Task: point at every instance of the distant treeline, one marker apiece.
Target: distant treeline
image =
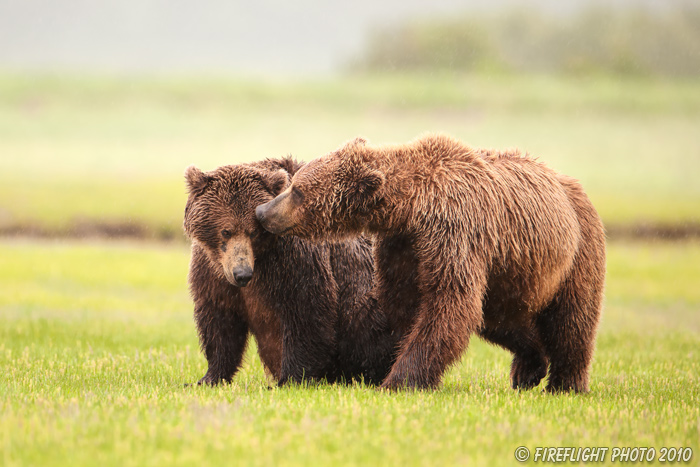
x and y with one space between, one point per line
595 40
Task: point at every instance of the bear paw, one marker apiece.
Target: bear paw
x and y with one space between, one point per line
211 380
527 372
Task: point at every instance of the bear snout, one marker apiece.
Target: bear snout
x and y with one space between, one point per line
261 213
242 275
270 217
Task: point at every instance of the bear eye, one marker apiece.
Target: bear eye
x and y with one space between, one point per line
226 234
297 195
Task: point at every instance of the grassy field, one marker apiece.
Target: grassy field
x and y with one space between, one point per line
97 339
75 151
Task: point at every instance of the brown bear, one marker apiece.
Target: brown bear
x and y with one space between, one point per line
308 305
468 241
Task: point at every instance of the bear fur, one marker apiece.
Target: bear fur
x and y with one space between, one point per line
308 305
467 241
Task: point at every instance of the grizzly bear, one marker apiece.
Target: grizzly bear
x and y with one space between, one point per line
308 305
467 241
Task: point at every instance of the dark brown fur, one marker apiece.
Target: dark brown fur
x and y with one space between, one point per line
468 241
306 304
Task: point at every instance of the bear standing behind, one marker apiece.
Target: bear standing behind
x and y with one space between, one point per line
305 303
468 241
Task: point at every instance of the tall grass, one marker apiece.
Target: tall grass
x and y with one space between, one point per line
628 42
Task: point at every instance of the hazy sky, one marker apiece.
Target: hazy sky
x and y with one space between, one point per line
270 37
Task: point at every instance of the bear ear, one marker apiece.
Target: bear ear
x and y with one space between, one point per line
276 182
354 150
353 144
367 184
197 181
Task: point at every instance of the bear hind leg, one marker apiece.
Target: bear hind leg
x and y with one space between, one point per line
568 327
529 363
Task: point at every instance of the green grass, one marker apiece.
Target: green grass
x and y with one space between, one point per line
114 150
96 341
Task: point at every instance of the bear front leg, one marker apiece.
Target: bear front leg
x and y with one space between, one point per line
449 312
223 336
219 313
309 349
308 317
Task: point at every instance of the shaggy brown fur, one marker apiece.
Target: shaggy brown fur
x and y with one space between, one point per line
468 241
307 304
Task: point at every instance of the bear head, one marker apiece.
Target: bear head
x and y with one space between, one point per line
331 195
220 213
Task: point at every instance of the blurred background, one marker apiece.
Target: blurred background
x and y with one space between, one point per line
104 104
